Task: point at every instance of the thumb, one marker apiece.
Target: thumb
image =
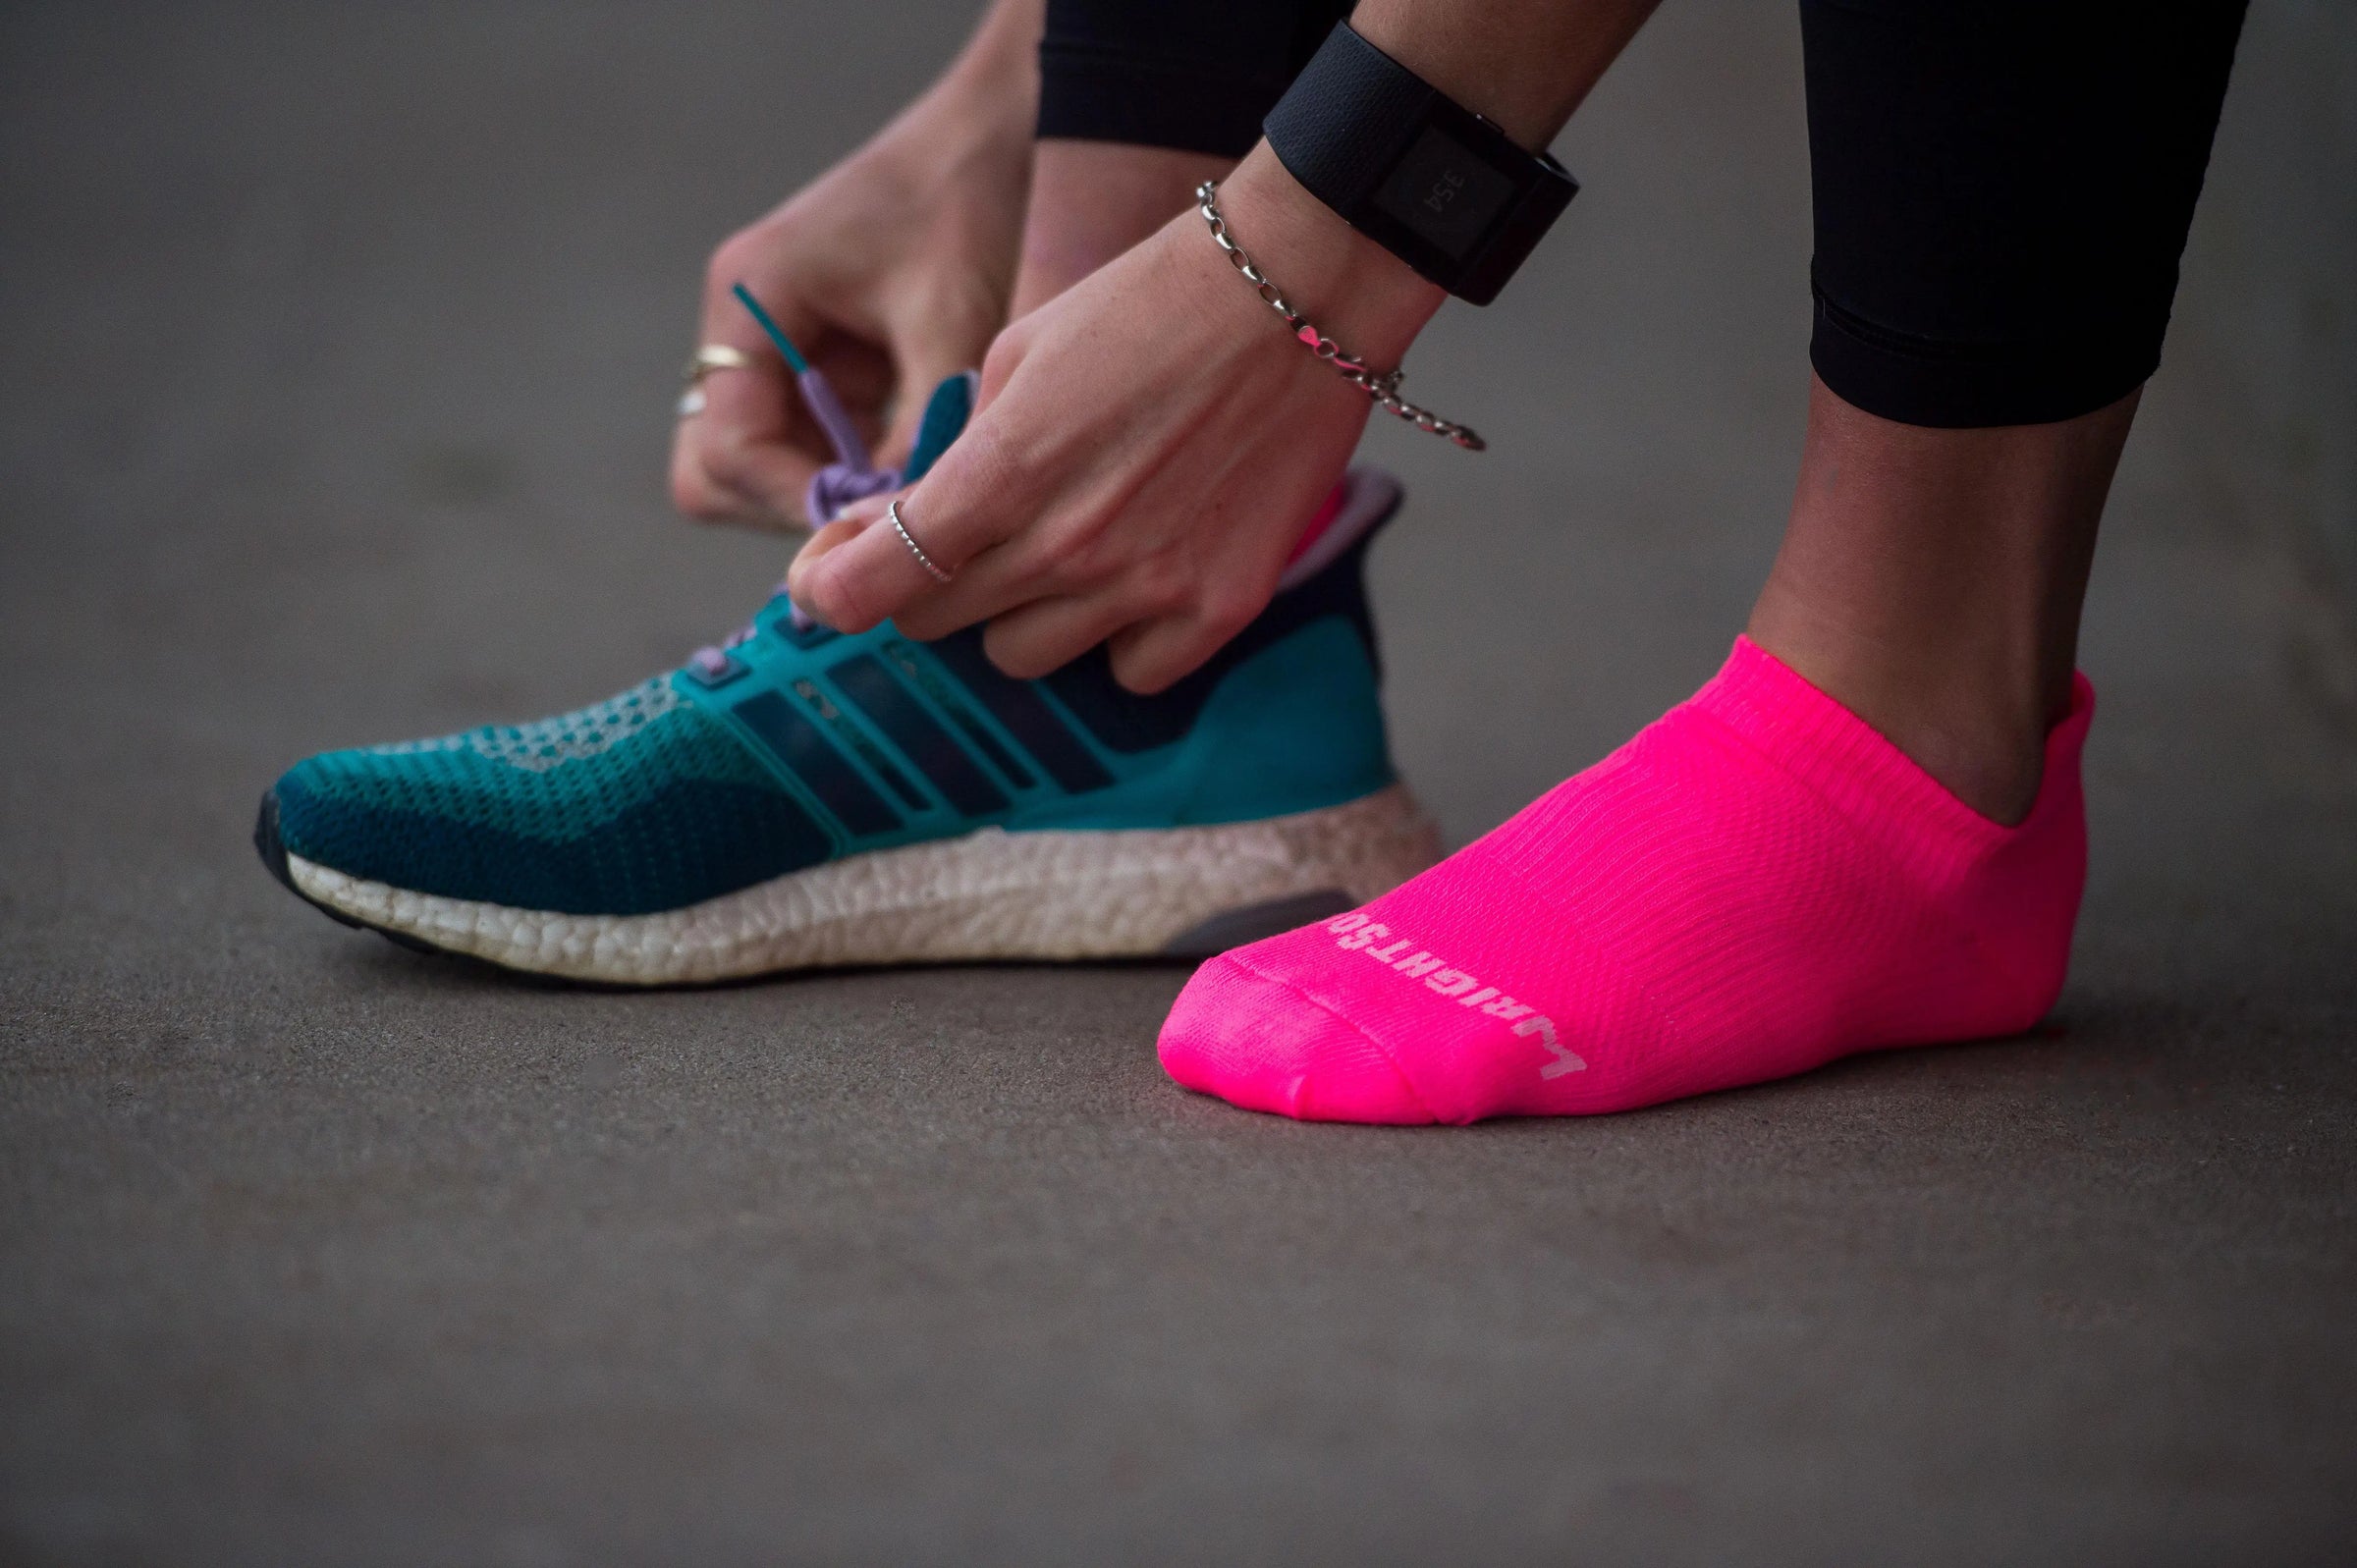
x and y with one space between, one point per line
920 377
927 348
848 524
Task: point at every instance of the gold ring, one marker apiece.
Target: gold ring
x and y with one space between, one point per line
706 359
713 356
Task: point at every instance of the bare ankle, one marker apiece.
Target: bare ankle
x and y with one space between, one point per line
1977 726
1931 580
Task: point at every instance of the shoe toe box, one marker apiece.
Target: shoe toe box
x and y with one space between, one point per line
658 815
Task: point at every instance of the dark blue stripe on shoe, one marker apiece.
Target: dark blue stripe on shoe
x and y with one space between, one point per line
929 682
1025 715
856 740
924 742
798 743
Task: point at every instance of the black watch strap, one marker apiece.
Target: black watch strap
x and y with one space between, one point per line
1410 168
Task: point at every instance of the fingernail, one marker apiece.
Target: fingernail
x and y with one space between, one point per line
800 614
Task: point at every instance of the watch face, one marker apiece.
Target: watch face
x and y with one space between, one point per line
1444 193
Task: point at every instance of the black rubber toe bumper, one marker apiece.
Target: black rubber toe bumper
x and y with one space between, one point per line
273 850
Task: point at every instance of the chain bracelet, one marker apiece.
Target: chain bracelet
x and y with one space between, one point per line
1380 385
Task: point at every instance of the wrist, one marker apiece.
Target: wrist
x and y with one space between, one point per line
969 131
1092 200
999 64
1351 288
982 104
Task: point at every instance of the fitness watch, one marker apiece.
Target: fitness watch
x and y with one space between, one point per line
1418 173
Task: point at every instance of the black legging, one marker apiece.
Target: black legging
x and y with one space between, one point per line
2003 186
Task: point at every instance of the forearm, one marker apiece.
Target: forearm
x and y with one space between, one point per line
986 97
1524 64
1003 55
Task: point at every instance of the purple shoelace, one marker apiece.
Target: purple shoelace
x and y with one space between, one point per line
852 476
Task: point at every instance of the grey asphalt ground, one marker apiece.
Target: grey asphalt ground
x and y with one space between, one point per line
341 345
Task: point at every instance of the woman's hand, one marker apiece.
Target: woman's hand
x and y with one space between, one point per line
890 272
1147 448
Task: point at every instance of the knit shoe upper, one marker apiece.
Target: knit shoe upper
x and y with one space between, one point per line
645 801
793 745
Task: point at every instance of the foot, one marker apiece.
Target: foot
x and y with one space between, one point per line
798 798
1754 885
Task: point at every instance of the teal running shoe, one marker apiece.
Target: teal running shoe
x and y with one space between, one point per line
801 798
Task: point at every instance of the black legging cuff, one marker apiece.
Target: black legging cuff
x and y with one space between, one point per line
1196 75
1961 386
1095 95
2002 189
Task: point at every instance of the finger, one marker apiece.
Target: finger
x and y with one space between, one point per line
749 454
847 525
967 504
923 364
748 257
1047 634
945 331
732 461
872 575
1150 656
998 582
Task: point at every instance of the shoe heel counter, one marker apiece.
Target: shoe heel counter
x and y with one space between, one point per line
1296 727
1286 718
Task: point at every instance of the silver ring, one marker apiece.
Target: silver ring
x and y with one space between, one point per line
925 561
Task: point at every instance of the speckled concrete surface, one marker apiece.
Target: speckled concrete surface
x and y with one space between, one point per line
338 382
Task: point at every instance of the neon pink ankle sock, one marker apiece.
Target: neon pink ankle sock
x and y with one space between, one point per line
1754 885
1327 510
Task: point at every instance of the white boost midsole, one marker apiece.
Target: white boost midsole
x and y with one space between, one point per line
1116 892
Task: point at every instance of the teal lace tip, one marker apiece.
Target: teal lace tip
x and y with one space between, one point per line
776 334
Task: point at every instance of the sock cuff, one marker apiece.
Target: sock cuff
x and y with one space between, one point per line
1864 776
